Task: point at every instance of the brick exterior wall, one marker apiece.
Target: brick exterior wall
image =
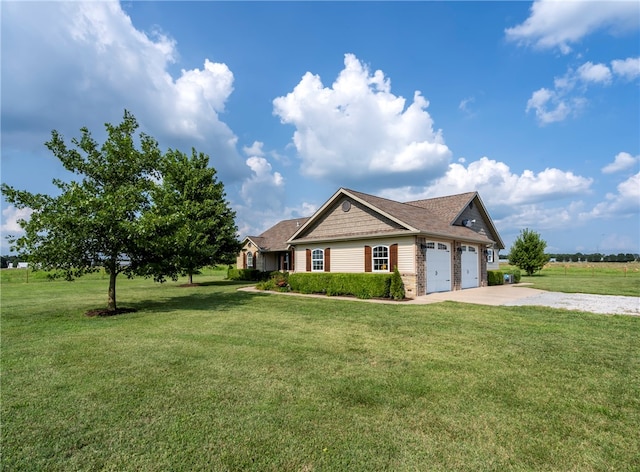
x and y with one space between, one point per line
457 265
483 267
421 272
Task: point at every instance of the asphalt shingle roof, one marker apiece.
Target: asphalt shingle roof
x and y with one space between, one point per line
433 216
276 237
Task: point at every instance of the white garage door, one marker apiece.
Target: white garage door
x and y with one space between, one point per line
438 262
469 264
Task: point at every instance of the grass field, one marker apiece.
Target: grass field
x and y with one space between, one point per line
602 278
209 378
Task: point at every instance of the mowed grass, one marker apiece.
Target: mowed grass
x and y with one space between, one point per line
602 278
209 378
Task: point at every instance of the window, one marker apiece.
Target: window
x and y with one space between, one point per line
490 256
249 259
317 260
381 258
442 247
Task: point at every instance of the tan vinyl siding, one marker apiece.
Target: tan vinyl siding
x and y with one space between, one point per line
240 260
348 256
358 220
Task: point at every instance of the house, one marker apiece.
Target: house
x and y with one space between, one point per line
438 244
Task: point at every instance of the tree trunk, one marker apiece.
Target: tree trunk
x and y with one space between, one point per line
190 278
111 303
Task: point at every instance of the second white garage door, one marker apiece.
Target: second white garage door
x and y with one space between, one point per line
469 267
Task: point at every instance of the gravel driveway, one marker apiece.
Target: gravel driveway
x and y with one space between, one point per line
605 304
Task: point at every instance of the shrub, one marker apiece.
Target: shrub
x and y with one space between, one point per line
397 286
244 274
359 285
277 281
495 277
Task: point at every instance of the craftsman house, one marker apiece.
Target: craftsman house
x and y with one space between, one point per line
438 244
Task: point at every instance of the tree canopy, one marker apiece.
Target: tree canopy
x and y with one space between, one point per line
527 252
102 219
197 225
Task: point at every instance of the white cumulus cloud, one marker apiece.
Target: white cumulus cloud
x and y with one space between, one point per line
567 98
550 106
497 184
559 24
628 68
621 162
10 218
624 203
264 187
358 131
70 59
597 73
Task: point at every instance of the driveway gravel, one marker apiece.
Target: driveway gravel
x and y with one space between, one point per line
605 304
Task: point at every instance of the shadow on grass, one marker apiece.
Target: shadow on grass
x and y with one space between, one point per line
222 283
205 301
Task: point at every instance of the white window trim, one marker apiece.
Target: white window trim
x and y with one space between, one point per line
249 260
373 259
315 259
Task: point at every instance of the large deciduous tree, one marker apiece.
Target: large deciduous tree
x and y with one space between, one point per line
527 252
95 222
190 213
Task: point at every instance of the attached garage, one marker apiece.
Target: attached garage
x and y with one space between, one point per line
438 267
470 267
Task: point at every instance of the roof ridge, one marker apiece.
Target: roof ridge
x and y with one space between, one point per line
442 197
376 197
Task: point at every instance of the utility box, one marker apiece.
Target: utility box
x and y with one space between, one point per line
508 278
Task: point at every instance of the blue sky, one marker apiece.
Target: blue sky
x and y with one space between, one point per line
534 105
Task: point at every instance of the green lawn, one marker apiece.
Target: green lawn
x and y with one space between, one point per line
209 378
600 278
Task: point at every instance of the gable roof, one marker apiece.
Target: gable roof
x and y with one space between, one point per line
449 207
431 217
276 237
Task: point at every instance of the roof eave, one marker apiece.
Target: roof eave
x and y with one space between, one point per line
356 237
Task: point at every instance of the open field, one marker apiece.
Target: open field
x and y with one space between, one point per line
208 378
602 278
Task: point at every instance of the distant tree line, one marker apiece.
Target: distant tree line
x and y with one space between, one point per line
580 257
595 257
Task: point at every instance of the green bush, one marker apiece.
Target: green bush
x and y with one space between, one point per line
277 281
397 286
495 277
244 274
359 285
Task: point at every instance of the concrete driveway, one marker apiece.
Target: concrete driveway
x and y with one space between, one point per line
494 295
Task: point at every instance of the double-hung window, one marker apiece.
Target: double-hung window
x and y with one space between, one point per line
317 260
249 260
381 258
